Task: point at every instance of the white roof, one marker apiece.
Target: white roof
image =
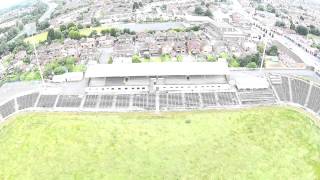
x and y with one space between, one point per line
157 69
251 82
71 76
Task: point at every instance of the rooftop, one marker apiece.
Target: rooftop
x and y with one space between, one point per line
157 69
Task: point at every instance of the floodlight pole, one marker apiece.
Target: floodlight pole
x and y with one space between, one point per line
38 63
263 55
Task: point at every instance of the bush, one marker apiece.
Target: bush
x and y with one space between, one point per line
280 24
211 58
252 65
302 30
110 61
198 11
59 70
179 58
136 59
272 51
165 57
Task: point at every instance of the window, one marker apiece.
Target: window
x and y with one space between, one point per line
188 78
126 79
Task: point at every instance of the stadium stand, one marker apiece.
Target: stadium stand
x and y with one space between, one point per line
106 101
299 90
27 101
47 101
163 100
192 100
314 100
91 101
71 101
122 101
286 88
144 101
227 98
7 109
175 100
281 86
263 96
208 99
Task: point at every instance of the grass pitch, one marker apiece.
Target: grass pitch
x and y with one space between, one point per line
259 143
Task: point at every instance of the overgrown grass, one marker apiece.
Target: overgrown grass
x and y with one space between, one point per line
41 37
259 143
37 38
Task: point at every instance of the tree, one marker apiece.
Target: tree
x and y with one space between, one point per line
58 34
93 33
113 32
198 10
243 62
80 26
43 25
63 27
126 31
270 8
12 32
260 8
51 35
59 70
292 26
135 6
280 24
70 25
208 13
314 30
74 34
252 65
136 59
105 31
302 30
272 51
3 47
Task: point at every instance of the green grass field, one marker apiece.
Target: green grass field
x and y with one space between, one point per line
259 143
41 37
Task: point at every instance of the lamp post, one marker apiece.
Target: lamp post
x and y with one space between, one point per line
38 63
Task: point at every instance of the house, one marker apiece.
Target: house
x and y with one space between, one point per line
125 38
141 36
181 36
105 41
70 43
167 47
194 46
88 43
20 55
191 36
160 36
171 36
180 47
123 49
154 49
206 46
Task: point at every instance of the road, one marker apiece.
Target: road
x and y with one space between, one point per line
308 59
51 7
